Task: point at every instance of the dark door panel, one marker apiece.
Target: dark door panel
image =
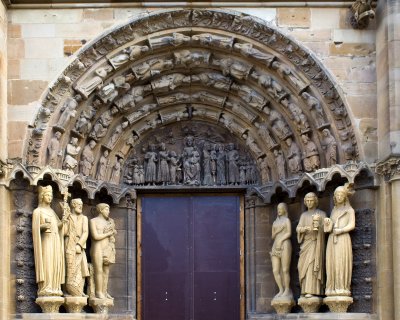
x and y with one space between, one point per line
191 258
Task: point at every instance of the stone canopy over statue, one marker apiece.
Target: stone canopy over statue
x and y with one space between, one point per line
60 257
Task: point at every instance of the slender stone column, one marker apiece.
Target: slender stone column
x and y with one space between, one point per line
395 195
5 245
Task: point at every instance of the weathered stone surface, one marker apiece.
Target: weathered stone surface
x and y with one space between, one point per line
98 14
294 17
25 91
351 49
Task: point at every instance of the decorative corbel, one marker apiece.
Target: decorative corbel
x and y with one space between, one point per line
362 12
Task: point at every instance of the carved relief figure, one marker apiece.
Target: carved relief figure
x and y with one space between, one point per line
68 111
207 175
102 124
208 39
53 149
264 133
339 254
233 169
191 162
297 115
287 73
48 246
141 112
212 79
87 158
330 147
76 234
95 82
281 252
294 156
234 68
189 58
278 124
315 107
264 170
84 125
169 82
252 144
117 133
310 235
151 165
128 54
102 251
252 97
311 157
280 164
152 68
174 165
102 166
273 88
175 40
134 95
71 152
163 167
247 50
221 168
116 171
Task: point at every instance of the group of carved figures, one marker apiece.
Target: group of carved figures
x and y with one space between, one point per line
215 164
59 251
317 262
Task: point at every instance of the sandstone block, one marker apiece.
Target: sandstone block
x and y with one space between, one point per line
351 49
124 14
98 14
17 130
36 69
13 69
353 36
14 31
363 106
306 35
294 17
25 91
319 48
46 16
15 48
85 30
43 48
267 14
325 18
24 113
34 30
71 46
15 149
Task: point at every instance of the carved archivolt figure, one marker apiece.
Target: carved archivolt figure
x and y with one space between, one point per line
71 152
339 254
102 124
247 50
280 164
264 133
68 111
330 146
279 126
169 82
116 171
102 166
116 133
94 83
281 252
297 115
273 87
176 40
310 235
76 233
208 39
252 97
294 156
287 73
87 158
48 246
213 79
151 68
127 54
311 157
102 251
315 108
83 125
190 58
234 68
53 149
264 170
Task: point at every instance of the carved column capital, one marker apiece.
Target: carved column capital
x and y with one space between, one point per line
389 168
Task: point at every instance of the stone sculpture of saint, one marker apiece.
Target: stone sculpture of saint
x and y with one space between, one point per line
281 252
87 158
221 168
330 147
116 171
102 251
339 254
163 167
68 111
76 232
102 166
294 159
173 167
71 152
53 149
207 174
311 157
233 169
150 165
48 246
311 237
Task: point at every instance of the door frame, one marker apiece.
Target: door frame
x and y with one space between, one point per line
139 287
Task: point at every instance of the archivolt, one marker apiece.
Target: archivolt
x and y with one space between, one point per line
222 68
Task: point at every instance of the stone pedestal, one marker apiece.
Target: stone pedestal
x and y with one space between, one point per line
50 304
310 305
101 305
282 305
338 303
75 304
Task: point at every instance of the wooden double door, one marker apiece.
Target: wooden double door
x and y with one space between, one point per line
190 258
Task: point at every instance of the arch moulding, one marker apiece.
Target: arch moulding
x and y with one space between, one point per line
229 82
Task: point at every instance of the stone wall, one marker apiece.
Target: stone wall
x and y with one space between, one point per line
41 41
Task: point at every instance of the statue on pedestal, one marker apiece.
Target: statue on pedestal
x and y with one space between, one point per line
310 235
102 252
48 247
281 254
339 254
